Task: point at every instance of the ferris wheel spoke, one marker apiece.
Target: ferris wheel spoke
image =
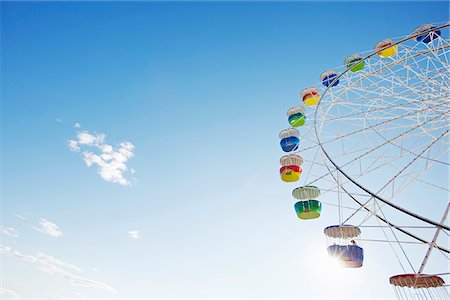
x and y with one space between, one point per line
427 255
406 226
389 241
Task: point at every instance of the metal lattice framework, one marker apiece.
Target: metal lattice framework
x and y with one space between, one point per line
378 143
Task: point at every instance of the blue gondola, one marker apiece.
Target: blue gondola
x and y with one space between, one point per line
329 78
430 33
290 143
350 256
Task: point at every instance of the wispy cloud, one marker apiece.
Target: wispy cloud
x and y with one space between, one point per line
53 261
134 234
51 265
9 231
8 251
111 161
77 125
49 228
8 293
22 217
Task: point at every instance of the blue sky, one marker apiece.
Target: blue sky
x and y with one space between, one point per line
200 89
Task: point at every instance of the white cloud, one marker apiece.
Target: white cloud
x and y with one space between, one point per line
44 258
9 231
8 293
91 283
5 250
58 120
134 234
21 216
73 145
77 125
85 138
53 266
111 161
49 228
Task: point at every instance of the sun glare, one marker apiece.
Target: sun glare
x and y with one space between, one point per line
327 267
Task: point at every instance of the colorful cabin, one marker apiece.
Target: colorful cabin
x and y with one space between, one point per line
289 139
343 246
329 78
310 96
349 256
386 48
291 167
296 116
309 209
354 62
306 192
290 173
426 33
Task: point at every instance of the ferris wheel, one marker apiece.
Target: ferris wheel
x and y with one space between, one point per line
372 140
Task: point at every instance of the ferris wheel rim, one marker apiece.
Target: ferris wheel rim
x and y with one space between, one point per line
339 169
